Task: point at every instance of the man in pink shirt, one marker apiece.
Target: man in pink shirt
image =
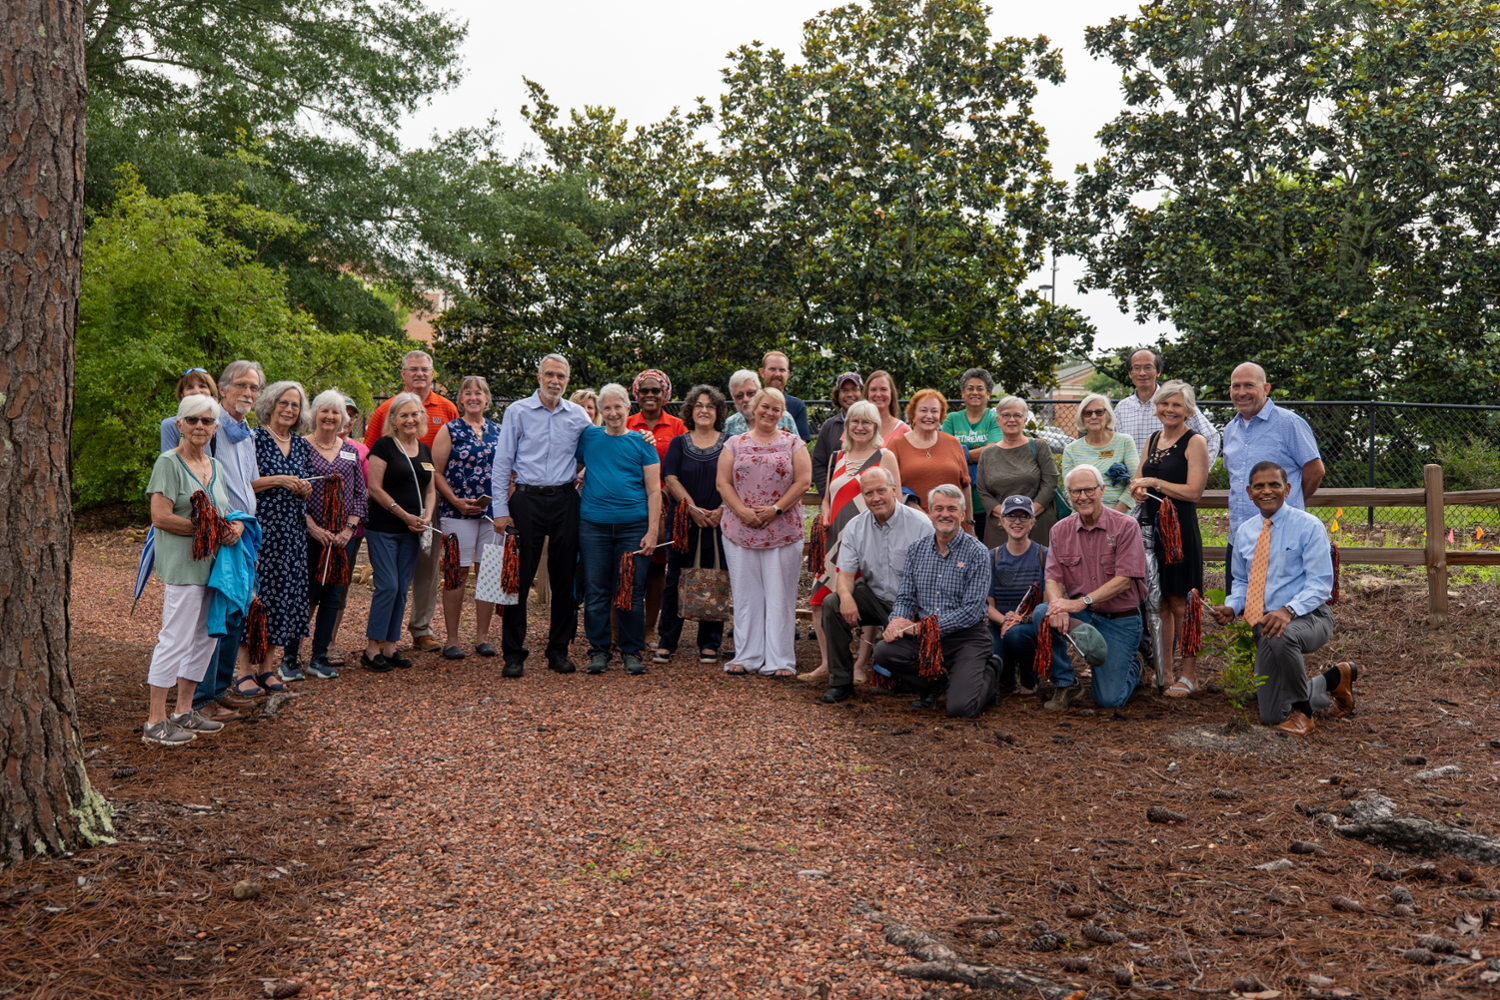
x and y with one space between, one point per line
1096 574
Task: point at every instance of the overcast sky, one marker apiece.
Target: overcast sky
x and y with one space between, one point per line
645 57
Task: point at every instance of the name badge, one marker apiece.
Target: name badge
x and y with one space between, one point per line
348 456
427 466
1107 454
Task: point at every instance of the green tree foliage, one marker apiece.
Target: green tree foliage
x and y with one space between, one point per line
877 204
1323 176
173 283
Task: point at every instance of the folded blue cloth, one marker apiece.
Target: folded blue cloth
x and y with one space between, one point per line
231 583
1118 475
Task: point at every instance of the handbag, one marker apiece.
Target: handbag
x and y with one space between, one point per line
1059 495
703 593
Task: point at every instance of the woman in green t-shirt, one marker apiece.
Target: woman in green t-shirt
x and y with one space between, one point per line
1103 447
975 427
184 647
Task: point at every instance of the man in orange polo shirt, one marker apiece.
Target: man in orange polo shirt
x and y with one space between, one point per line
653 390
416 376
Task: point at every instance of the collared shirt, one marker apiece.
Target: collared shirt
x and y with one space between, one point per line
878 551
667 427
953 587
798 411
1084 559
439 409
1138 419
537 444
1300 573
1272 435
736 424
235 451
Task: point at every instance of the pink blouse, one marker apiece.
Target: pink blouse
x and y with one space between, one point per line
762 474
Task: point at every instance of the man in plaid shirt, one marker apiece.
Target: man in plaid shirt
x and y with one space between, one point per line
1135 415
947 575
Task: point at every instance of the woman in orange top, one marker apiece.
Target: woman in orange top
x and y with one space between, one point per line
927 456
652 390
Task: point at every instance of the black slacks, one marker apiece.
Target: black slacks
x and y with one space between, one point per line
540 519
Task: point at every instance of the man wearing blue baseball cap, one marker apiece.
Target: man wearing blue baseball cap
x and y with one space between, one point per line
848 389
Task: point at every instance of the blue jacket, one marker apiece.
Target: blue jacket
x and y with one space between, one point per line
231 583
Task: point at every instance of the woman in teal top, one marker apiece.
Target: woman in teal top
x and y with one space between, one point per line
1103 447
975 427
184 647
618 513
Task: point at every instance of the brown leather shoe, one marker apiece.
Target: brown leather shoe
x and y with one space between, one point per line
233 701
1343 692
426 644
218 713
1297 724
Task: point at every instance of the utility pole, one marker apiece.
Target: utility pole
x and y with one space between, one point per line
1052 288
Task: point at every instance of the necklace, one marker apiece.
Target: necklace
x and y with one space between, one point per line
283 440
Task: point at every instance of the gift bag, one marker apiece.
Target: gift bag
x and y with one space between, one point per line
487 584
703 593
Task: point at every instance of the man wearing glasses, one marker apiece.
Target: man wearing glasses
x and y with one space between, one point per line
1135 415
416 377
1096 574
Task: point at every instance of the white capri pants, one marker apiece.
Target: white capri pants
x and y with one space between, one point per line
474 533
764 585
183 646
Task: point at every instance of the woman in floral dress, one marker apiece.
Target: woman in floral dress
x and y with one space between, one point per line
282 457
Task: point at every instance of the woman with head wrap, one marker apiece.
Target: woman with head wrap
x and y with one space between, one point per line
653 390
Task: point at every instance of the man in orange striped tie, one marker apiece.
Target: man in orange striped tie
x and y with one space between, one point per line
1282 576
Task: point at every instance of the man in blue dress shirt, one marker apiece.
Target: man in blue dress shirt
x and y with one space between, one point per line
1282 576
538 436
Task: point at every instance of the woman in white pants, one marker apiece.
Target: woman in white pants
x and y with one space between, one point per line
184 647
762 476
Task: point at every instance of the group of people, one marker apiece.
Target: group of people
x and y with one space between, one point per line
933 530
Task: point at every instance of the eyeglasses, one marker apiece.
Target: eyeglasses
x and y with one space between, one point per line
709 407
1142 369
189 371
1093 413
199 421
418 371
1019 515
1087 492
243 386
288 404
647 390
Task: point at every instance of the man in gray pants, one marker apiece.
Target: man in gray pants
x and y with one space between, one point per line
1281 578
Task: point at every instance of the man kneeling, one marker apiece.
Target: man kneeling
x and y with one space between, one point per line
1283 560
947 575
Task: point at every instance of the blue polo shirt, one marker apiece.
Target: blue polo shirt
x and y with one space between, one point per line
1272 435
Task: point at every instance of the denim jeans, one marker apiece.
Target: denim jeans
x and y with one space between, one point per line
1116 677
393 557
1017 652
600 547
710 634
327 599
220 673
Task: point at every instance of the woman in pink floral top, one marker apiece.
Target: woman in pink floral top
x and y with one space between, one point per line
762 476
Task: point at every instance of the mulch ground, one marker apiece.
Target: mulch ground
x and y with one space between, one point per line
440 832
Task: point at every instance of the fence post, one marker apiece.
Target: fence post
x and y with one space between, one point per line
1370 511
1437 553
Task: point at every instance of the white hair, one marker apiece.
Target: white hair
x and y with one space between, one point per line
197 405
399 402
331 399
1010 403
554 357
890 477
1098 476
234 368
1177 387
946 490
265 405
415 354
866 410
614 389
1109 410
741 377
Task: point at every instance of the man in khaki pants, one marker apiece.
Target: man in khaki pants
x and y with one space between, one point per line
416 376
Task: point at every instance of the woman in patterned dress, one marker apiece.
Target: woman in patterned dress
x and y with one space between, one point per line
281 491
762 476
462 454
843 501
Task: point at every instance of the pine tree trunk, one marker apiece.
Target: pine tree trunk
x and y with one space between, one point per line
46 802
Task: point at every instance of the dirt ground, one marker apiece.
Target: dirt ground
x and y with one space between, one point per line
438 832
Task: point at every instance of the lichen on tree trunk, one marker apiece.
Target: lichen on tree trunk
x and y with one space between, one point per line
46 801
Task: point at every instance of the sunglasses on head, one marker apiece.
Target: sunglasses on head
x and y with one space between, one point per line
189 371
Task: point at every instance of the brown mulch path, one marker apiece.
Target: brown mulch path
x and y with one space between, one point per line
441 833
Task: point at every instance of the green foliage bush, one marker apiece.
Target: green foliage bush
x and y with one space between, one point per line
1470 465
166 288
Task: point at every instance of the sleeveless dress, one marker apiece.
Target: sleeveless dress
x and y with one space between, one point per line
846 502
469 463
281 570
1171 466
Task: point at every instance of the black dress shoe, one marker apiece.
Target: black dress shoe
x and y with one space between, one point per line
561 665
927 701
376 664
838 693
399 661
512 668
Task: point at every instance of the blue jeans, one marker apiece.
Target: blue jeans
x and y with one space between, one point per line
710 634
220 673
600 547
1017 652
1116 677
393 557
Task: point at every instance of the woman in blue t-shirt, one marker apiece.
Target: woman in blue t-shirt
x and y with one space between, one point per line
619 512
1015 567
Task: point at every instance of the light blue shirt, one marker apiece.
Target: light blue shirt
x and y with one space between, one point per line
1272 435
1300 573
736 424
235 450
538 445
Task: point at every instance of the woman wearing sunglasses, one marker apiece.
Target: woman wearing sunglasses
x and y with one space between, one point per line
1104 448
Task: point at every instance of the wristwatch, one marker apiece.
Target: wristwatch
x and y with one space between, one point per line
1087 600
778 510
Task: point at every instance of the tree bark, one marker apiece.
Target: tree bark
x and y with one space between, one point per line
46 801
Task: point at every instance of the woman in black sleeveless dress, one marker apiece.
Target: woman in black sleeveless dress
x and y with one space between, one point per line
1175 465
